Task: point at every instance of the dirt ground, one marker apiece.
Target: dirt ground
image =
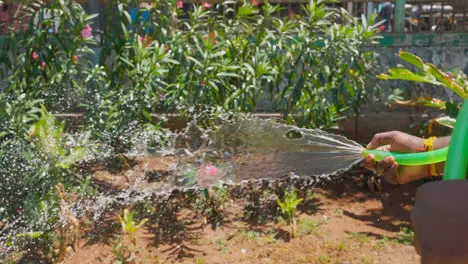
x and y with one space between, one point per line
342 222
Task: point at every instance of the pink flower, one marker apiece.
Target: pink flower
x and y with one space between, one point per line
208 174
382 28
75 59
205 4
35 56
180 4
254 2
43 65
87 32
141 38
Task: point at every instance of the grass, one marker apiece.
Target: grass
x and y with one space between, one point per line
367 260
405 237
339 247
220 243
363 238
271 236
250 235
323 260
308 226
339 212
380 244
199 261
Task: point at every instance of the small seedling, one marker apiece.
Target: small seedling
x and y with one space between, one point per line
339 212
367 260
121 250
406 236
211 204
361 237
199 261
288 209
323 260
342 246
220 243
129 228
250 235
308 226
381 243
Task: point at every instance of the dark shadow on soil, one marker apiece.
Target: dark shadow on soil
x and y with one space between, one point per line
396 200
283 235
32 257
310 206
177 229
366 234
105 233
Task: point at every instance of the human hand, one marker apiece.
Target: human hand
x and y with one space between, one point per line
395 141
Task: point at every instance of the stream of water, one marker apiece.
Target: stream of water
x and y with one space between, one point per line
239 150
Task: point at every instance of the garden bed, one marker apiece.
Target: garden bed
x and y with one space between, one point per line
339 222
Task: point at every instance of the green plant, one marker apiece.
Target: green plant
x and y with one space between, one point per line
48 156
220 243
381 243
308 226
405 237
129 227
250 235
121 249
367 260
45 61
323 260
361 237
199 261
288 209
50 139
339 212
429 73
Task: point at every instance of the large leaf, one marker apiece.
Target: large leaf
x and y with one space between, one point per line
447 81
407 75
445 121
423 101
413 59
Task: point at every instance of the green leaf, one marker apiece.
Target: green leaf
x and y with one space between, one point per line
407 75
452 109
246 10
197 62
227 74
413 59
447 81
91 17
445 121
424 101
250 69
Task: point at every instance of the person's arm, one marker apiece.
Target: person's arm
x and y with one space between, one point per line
404 143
